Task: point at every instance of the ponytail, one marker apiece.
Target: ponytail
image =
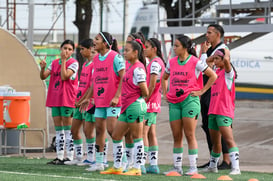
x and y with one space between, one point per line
192 50
115 45
155 43
187 43
110 41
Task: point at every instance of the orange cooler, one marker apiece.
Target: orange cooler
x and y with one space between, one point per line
1 111
17 110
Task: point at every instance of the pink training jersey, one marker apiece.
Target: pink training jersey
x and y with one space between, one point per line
182 79
154 103
222 101
61 93
105 80
85 81
130 92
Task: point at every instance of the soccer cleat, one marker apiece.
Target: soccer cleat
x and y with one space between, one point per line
224 166
143 169
126 167
153 169
204 165
56 161
66 159
210 169
95 167
174 169
235 171
112 170
86 162
129 166
192 171
72 162
133 172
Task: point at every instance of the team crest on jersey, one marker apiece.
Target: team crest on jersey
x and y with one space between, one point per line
100 91
79 94
179 92
154 68
57 84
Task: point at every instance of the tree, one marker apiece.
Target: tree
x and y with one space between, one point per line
173 9
83 23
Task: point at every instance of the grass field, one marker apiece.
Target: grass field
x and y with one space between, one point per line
20 168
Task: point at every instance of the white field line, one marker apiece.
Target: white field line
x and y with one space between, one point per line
53 176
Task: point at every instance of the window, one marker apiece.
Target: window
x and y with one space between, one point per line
145 31
133 30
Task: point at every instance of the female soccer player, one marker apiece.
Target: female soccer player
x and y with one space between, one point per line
85 118
62 89
155 70
129 142
134 90
109 68
221 112
185 72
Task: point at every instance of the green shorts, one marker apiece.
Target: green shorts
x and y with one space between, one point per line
215 121
189 108
150 118
62 111
83 116
135 111
78 115
89 117
105 112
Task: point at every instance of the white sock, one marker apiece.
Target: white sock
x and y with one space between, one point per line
69 144
153 157
118 152
78 151
60 144
177 159
90 147
213 161
129 155
144 158
234 158
193 160
138 153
